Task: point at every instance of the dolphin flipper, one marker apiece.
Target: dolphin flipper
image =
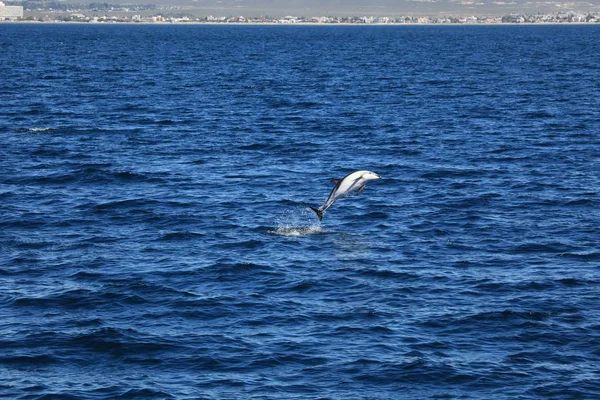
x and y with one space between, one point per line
360 189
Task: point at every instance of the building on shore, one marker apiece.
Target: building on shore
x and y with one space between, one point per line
10 12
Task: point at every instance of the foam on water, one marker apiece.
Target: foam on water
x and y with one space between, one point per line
298 230
297 222
35 130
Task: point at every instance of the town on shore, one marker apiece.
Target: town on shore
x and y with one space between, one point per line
113 13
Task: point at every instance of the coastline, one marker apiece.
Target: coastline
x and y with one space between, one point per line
209 23
147 14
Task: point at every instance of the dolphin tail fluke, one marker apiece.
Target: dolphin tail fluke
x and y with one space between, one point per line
319 212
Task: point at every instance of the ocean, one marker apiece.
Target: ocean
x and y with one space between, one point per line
156 240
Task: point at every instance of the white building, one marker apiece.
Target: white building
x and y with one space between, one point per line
288 20
10 12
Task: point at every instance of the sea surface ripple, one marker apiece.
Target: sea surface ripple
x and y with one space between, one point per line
155 240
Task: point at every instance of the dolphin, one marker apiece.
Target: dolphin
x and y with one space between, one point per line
352 182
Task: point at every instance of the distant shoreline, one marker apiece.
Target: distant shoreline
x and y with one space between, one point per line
297 24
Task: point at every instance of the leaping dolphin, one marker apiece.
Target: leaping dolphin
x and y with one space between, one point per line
354 181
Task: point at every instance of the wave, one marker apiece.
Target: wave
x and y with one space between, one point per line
452 173
186 235
83 175
532 247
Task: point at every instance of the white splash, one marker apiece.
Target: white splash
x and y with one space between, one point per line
35 130
297 222
298 230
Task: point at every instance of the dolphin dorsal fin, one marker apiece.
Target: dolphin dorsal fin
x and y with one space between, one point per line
335 181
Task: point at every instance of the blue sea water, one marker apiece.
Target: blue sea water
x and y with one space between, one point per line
155 240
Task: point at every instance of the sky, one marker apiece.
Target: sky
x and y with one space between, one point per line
309 8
